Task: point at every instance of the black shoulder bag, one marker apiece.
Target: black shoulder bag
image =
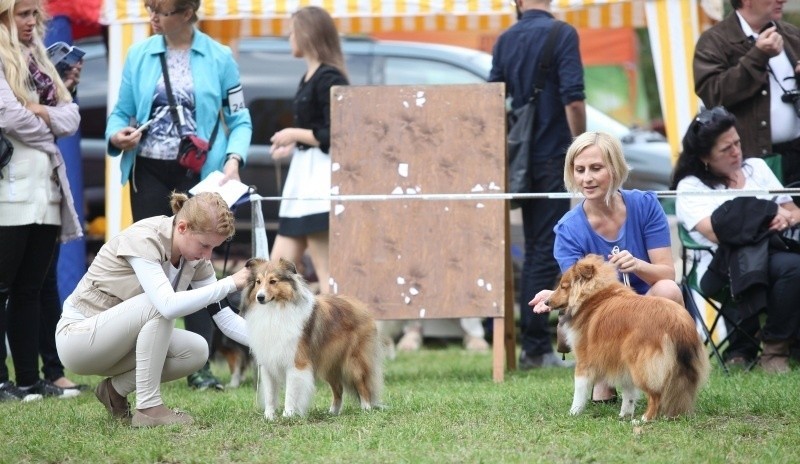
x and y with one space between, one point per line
522 119
6 150
192 150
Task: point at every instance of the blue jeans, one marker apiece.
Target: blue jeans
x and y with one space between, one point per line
540 269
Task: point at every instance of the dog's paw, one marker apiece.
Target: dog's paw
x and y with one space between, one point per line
626 416
575 410
269 415
627 409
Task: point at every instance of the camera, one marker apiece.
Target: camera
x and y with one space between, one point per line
793 98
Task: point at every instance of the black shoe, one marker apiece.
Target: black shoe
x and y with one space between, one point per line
47 389
10 392
204 379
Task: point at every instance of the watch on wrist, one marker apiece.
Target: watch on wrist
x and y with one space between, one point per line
235 157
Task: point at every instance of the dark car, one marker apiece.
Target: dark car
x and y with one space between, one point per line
270 76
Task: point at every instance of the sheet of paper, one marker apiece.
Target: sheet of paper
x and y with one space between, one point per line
230 191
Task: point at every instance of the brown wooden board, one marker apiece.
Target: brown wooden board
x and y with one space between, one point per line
412 258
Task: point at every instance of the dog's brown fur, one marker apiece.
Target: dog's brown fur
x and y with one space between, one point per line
631 341
236 355
334 337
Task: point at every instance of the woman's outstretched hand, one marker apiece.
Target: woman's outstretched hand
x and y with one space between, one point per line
539 302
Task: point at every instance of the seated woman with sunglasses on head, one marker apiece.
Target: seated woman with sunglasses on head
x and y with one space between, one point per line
712 160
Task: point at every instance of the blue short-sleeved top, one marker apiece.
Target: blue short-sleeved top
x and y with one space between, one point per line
645 228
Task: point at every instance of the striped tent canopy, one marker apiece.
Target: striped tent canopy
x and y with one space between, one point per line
673 27
271 17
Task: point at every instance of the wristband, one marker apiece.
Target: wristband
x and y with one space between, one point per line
236 157
214 308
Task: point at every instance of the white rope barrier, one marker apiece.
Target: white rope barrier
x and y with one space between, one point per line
521 196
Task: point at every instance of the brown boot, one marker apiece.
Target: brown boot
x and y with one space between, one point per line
116 404
775 357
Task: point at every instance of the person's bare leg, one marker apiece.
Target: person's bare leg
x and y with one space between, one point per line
291 248
318 251
667 289
603 392
64 382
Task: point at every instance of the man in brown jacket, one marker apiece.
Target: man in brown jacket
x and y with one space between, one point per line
749 63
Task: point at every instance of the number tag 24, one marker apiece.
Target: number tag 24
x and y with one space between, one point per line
235 99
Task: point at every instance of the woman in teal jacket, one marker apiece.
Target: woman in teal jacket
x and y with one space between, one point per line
194 59
205 84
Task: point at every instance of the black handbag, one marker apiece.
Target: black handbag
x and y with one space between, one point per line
6 150
522 119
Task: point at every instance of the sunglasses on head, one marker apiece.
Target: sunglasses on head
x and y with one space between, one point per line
706 116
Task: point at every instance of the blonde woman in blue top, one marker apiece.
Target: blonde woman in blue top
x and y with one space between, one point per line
627 227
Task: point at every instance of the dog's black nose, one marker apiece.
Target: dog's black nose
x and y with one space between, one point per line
547 302
261 298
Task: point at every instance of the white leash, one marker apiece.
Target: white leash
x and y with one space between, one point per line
625 277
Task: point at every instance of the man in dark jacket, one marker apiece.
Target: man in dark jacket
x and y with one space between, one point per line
560 115
748 63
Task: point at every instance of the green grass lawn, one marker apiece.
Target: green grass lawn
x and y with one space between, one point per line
441 406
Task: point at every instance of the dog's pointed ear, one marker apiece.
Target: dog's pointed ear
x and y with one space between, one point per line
253 262
287 265
586 270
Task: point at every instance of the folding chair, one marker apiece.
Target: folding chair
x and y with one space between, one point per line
720 303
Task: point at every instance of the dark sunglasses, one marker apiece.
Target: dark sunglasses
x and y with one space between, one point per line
706 116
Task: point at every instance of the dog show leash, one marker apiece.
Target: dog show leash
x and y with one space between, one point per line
625 277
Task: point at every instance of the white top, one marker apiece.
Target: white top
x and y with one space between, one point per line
158 285
232 325
691 209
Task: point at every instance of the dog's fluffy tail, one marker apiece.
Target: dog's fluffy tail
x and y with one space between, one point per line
690 373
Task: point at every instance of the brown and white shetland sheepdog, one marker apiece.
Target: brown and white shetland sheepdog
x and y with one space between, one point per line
297 337
637 343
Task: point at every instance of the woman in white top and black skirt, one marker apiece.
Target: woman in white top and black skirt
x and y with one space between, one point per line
304 224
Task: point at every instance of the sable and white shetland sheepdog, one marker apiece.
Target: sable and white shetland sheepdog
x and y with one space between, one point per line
297 337
637 343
